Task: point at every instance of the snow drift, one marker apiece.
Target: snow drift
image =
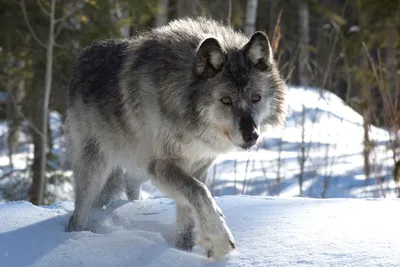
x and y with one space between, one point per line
268 232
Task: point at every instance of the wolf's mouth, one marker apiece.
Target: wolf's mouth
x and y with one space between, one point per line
229 136
248 145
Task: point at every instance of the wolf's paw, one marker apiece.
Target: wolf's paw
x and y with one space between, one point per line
73 226
185 241
218 240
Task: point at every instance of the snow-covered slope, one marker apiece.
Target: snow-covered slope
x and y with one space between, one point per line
332 136
268 232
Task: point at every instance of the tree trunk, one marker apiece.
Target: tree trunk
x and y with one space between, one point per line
14 104
162 13
41 121
304 34
35 106
302 157
272 18
185 8
49 73
366 104
251 17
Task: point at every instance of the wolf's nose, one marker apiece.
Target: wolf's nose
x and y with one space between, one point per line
252 137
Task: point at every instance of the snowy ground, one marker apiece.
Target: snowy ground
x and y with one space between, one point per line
268 232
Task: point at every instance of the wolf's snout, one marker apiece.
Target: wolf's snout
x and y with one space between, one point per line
249 130
251 138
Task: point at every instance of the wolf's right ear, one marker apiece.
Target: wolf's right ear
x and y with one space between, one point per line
209 58
258 51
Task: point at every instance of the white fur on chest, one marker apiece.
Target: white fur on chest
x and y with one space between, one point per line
198 150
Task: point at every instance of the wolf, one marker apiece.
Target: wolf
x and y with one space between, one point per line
162 106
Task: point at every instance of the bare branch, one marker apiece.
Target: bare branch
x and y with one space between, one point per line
332 54
58 30
60 46
277 33
66 15
8 174
229 18
14 102
42 7
31 30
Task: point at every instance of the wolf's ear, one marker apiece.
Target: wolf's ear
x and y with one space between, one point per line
258 51
209 58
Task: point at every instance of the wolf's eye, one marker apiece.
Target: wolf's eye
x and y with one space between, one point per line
226 100
255 98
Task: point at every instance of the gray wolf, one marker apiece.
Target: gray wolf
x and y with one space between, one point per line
162 106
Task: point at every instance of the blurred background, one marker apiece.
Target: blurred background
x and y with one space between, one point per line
338 57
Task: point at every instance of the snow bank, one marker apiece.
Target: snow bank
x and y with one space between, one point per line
268 232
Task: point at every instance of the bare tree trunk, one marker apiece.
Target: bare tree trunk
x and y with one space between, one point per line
367 141
48 78
272 18
366 106
302 157
251 17
123 11
279 166
304 34
186 8
162 13
229 17
35 106
14 104
391 62
39 181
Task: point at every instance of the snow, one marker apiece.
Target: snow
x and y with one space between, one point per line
282 230
268 231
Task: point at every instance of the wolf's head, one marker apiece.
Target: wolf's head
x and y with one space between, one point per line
242 91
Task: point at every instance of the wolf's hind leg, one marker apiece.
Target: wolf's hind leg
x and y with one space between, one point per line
184 226
132 186
90 174
113 187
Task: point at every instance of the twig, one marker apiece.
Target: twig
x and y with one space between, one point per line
71 11
8 174
42 8
14 102
31 30
277 33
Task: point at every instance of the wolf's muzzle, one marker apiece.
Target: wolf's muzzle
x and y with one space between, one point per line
249 131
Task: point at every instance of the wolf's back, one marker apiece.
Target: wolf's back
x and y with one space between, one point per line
162 52
95 73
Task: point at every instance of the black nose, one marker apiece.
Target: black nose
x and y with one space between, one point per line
251 138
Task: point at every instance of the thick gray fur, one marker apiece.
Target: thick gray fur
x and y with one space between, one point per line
162 106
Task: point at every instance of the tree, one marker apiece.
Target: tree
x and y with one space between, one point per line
251 16
162 13
185 8
304 38
43 97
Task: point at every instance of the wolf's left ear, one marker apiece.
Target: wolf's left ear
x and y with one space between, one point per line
258 51
209 58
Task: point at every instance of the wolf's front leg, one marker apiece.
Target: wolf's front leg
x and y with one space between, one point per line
213 234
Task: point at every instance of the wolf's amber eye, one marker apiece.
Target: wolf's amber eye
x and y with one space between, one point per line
227 100
255 98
